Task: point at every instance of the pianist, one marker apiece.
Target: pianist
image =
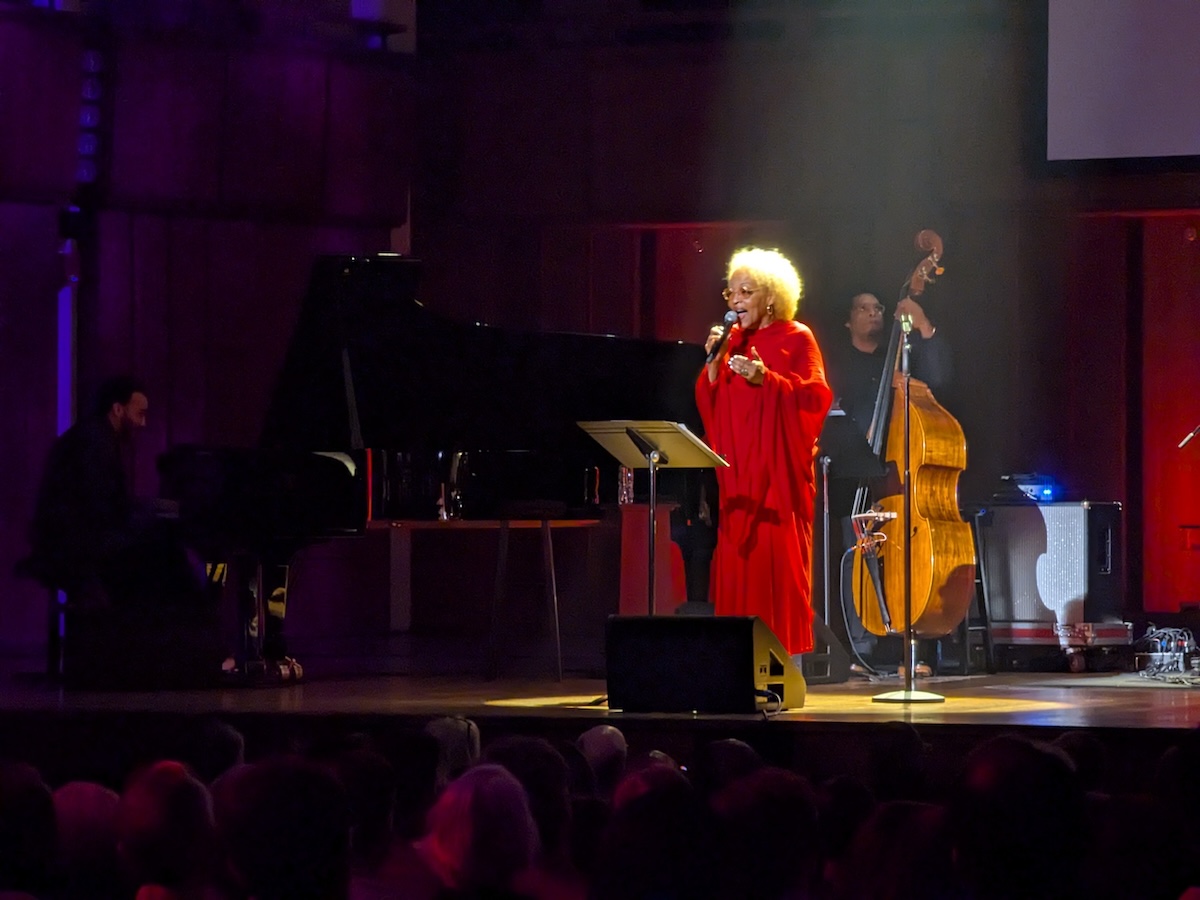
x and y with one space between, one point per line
89 537
763 398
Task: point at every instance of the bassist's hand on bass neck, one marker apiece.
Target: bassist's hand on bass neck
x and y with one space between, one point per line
920 321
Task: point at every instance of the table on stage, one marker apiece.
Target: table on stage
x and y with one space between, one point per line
400 534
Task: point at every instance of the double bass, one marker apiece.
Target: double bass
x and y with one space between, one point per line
942 577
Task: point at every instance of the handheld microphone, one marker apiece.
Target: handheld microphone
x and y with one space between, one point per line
730 318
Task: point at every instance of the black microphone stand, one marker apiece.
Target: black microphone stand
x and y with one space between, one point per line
909 694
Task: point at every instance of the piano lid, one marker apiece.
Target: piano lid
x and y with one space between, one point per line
369 365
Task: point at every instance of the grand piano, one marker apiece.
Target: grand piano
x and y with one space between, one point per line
383 404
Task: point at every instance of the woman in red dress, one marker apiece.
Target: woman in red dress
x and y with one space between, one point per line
763 400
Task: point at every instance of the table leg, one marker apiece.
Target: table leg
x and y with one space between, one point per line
493 665
552 593
400 580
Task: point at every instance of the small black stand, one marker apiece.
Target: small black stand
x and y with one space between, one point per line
652 445
842 452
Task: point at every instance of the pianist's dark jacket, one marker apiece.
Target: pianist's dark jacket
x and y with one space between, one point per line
84 511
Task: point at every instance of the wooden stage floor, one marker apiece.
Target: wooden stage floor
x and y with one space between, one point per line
1019 700
831 734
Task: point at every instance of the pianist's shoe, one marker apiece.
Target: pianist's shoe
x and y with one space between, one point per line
286 669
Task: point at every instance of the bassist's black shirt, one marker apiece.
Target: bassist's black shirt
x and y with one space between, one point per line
854 375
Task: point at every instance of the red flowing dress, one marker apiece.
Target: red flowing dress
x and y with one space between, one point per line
768 435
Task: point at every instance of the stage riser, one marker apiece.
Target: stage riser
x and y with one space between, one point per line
106 746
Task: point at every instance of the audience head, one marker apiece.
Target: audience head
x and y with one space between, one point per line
768 808
654 776
1177 773
1089 755
458 741
605 749
543 773
722 762
843 802
582 779
27 829
1017 820
370 783
897 759
286 828
901 850
481 833
87 839
165 829
218 748
660 841
1134 849
416 759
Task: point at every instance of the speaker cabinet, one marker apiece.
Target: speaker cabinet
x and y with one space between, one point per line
705 664
1054 562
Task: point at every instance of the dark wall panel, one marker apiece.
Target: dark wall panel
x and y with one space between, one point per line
229 171
614 261
274 136
652 120
1091 414
32 276
167 123
372 138
108 305
39 110
190 327
202 311
151 335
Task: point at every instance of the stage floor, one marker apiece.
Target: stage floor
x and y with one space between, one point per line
1059 701
70 734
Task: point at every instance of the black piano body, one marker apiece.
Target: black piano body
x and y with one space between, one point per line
382 404
267 502
378 394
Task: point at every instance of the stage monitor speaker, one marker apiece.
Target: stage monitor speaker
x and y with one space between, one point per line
704 664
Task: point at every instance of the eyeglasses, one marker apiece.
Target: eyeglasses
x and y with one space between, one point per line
743 292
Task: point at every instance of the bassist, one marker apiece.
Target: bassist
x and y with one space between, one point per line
854 369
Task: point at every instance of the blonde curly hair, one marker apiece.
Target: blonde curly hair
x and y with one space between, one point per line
774 271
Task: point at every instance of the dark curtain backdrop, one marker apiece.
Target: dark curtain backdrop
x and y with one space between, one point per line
222 172
598 186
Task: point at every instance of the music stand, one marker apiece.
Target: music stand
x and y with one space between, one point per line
850 455
652 445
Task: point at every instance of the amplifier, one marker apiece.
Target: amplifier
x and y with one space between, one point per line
1053 562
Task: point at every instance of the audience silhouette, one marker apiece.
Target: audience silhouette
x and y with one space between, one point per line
441 810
